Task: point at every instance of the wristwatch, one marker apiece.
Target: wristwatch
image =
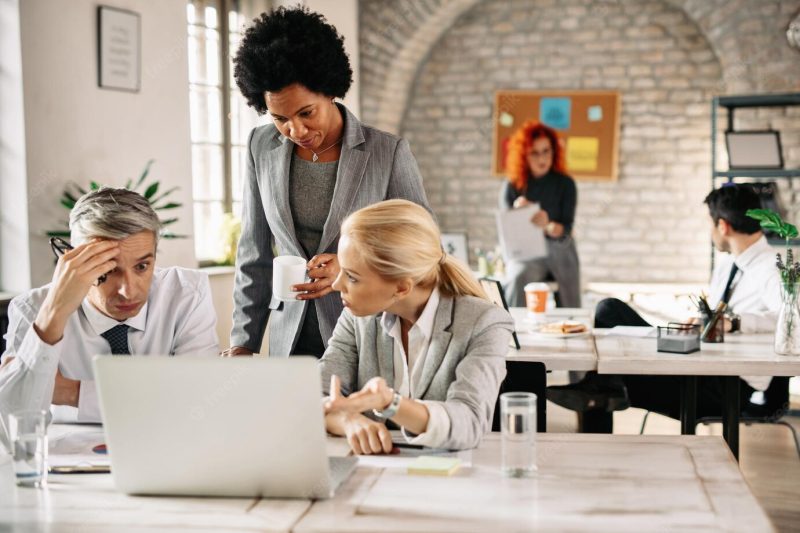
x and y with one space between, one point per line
391 410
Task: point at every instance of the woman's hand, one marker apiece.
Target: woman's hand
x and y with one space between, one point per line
521 201
323 269
540 219
376 394
366 436
233 351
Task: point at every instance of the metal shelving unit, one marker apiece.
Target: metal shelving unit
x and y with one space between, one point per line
730 104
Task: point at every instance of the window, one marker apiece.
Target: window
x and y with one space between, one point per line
220 118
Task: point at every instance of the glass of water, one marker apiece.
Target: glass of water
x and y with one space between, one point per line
518 425
28 434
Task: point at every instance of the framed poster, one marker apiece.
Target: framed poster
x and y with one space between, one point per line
118 49
455 244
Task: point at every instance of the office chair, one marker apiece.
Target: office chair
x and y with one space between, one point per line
773 411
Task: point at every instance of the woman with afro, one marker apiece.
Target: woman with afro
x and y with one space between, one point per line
537 174
309 169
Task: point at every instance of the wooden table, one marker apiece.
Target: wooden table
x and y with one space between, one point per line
585 482
740 355
526 368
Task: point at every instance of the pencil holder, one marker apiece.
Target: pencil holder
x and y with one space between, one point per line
716 332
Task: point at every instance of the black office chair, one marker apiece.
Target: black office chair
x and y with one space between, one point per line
773 411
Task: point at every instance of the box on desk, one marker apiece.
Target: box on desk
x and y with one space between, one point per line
678 338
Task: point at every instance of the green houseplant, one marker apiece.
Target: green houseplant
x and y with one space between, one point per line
787 330
158 199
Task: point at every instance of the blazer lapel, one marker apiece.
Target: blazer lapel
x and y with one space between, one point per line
440 340
349 174
279 161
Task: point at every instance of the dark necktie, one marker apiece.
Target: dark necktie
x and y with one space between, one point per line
117 338
726 296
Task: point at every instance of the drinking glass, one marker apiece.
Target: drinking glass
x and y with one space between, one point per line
518 425
28 435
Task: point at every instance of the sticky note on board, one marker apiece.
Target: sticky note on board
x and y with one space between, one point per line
582 153
506 119
428 465
555 112
595 113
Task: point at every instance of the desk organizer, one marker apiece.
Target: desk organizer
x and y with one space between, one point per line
678 338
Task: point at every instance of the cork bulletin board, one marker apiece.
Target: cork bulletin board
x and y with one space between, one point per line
586 121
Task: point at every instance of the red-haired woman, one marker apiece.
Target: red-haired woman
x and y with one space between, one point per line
537 174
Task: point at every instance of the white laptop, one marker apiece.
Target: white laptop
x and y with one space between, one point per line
210 426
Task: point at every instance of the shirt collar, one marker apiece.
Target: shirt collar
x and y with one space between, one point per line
746 258
101 323
424 323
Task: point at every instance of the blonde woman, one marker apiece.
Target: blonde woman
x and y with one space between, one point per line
418 343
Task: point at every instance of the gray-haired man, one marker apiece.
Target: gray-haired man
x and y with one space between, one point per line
106 296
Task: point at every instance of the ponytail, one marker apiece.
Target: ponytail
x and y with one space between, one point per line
455 279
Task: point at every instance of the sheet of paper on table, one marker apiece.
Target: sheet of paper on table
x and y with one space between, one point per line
406 458
75 449
632 331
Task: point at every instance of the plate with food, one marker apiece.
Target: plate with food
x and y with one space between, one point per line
562 329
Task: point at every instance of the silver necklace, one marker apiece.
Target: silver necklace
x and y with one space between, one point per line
317 154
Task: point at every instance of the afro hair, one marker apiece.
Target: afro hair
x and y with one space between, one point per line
288 46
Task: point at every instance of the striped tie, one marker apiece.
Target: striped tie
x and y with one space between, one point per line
117 338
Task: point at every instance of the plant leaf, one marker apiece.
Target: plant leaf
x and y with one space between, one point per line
69 204
170 205
60 233
80 189
168 221
163 195
790 230
151 190
145 172
68 196
93 185
128 183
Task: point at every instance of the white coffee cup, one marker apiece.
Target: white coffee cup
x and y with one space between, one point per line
287 271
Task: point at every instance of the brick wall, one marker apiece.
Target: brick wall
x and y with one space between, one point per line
667 58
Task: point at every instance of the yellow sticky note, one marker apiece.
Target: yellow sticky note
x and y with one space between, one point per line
582 153
427 465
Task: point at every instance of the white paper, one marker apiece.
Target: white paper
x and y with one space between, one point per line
632 331
519 238
75 448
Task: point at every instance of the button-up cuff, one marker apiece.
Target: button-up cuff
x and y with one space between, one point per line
438 427
38 356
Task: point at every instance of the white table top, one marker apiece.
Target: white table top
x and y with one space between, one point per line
556 354
739 355
585 482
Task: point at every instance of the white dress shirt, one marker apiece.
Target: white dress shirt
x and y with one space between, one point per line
178 318
756 295
408 368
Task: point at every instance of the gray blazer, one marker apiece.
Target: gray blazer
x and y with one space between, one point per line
373 166
464 367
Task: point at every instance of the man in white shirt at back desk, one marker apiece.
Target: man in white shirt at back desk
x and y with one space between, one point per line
745 277
106 297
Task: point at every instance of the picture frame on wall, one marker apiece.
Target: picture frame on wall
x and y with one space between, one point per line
118 49
455 244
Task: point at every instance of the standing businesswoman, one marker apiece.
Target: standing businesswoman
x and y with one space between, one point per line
419 343
537 174
305 173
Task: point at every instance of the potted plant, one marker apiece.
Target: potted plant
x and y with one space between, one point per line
787 330
159 202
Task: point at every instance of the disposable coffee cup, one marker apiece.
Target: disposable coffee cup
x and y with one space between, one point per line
536 297
287 271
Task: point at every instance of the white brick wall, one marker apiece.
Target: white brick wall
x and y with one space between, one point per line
667 57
